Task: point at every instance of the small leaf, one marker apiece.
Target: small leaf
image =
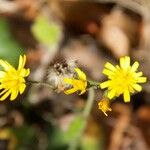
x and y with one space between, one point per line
46 32
75 129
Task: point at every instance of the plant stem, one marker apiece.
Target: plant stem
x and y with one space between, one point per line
40 82
94 84
86 112
89 103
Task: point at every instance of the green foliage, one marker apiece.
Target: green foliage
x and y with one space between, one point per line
59 139
75 129
46 32
55 139
9 48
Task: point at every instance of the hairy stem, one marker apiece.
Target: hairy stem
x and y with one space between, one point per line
94 84
89 103
40 82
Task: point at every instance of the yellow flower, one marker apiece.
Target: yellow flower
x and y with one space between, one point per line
79 84
122 79
104 105
12 81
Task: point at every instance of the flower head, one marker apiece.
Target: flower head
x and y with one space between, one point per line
58 71
122 79
104 105
12 81
78 84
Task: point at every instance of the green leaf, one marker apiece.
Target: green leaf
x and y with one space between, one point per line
9 48
55 138
75 129
46 32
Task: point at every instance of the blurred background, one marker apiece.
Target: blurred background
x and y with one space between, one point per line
90 32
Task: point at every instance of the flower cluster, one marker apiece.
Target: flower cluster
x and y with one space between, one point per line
123 79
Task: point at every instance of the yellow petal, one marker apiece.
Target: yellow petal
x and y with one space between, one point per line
104 106
122 62
2 74
5 95
4 91
24 72
6 66
68 80
70 91
14 94
141 80
80 74
134 66
1 87
127 61
22 88
131 89
110 66
139 74
22 61
27 72
111 94
108 72
126 96
137 87
104 84
118 68
82 92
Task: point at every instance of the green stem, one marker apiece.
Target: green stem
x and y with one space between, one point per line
40 82
93 84
86 112
89 103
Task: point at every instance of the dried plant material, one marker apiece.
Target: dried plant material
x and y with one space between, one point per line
76 15
118 32
18 118
144 113
115 40
8 7
29 8
120 126
85 48
58 72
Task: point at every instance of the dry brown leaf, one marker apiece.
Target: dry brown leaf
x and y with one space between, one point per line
119 32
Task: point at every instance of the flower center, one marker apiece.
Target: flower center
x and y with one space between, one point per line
12 80
123 81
